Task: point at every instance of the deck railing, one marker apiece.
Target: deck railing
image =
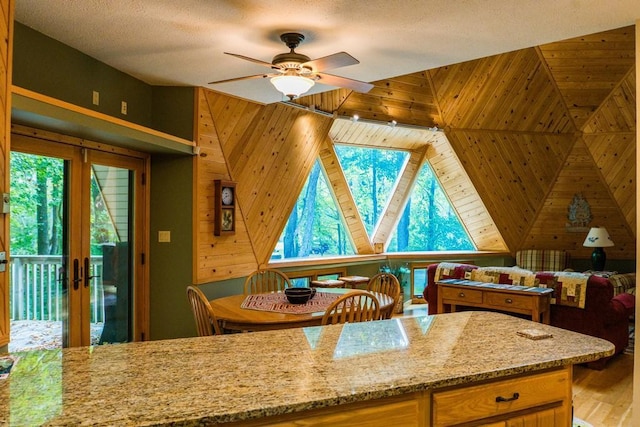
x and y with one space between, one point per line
36 288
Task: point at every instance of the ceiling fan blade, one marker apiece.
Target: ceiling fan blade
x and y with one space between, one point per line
331 80
340 59
256 76
246 58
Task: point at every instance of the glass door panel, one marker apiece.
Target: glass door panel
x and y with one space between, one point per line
39 249
72 244
109 265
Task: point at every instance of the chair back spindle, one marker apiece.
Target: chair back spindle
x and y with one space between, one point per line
206 322
388 284
266 280
356 306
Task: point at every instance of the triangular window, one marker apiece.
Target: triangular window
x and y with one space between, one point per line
371 174
315 227
429 222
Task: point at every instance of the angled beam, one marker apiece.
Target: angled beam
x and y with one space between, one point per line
464 197
344 199
399 197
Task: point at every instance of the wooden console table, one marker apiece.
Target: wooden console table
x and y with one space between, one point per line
531 301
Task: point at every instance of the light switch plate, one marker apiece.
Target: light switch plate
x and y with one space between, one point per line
164 236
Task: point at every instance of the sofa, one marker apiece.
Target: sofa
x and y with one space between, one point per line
592 310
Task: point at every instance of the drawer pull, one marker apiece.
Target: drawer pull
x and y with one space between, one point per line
508 399
461 294
508 300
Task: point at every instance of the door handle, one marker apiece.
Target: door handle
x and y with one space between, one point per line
77 274
87 268
513 397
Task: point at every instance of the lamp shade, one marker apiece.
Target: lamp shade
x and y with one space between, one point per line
598 237
292 86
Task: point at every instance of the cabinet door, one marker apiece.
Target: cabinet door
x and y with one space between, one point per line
547 418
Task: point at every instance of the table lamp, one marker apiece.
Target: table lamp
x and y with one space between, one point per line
597 239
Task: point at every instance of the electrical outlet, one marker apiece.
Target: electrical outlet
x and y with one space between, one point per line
123 107
96 97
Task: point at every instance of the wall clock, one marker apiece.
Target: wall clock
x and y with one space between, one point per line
224 207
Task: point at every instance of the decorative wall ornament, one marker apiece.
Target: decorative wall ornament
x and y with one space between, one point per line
579 215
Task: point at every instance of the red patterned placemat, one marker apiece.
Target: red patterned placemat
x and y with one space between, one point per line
278 303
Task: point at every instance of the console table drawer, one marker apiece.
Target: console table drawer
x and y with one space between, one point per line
509 300
462 295
466 404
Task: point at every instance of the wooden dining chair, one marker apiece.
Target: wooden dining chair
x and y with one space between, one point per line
206 322
388 284
356 306
266 280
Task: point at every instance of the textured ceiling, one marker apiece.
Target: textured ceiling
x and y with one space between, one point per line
167 42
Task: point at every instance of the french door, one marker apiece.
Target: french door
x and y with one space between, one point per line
77 221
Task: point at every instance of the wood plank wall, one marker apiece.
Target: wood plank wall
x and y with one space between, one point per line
532 128
269 151
519 134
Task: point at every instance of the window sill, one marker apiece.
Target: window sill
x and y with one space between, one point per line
434 256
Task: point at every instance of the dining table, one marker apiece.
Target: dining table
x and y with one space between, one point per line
233 316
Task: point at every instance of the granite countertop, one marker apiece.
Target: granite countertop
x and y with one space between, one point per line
241 376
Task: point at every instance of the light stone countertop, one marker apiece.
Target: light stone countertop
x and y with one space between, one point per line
242 376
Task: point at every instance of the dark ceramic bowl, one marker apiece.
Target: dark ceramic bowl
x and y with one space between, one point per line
299 295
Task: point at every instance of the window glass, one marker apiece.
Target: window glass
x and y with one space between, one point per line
328 276
315 227
371 174
429 222
419 281
300 282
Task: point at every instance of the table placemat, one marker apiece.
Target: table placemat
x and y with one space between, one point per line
277 302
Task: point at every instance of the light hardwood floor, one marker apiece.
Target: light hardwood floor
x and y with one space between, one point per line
602 398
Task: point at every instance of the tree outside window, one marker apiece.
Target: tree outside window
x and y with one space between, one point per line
315 227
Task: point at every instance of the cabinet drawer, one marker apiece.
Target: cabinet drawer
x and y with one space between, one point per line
472 403
509 300
462 295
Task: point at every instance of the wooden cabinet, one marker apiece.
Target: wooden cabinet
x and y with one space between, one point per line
533 400
542 399
408 410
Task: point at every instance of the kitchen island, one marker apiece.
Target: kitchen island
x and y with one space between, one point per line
406 371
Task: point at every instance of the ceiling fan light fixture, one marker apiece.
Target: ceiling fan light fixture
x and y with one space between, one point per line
292 86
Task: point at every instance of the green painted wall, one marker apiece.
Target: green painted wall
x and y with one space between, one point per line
165 103
171 263
47 66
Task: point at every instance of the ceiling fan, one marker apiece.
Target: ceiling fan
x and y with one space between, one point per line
295 73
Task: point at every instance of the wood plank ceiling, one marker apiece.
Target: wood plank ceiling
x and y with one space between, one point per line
531 128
